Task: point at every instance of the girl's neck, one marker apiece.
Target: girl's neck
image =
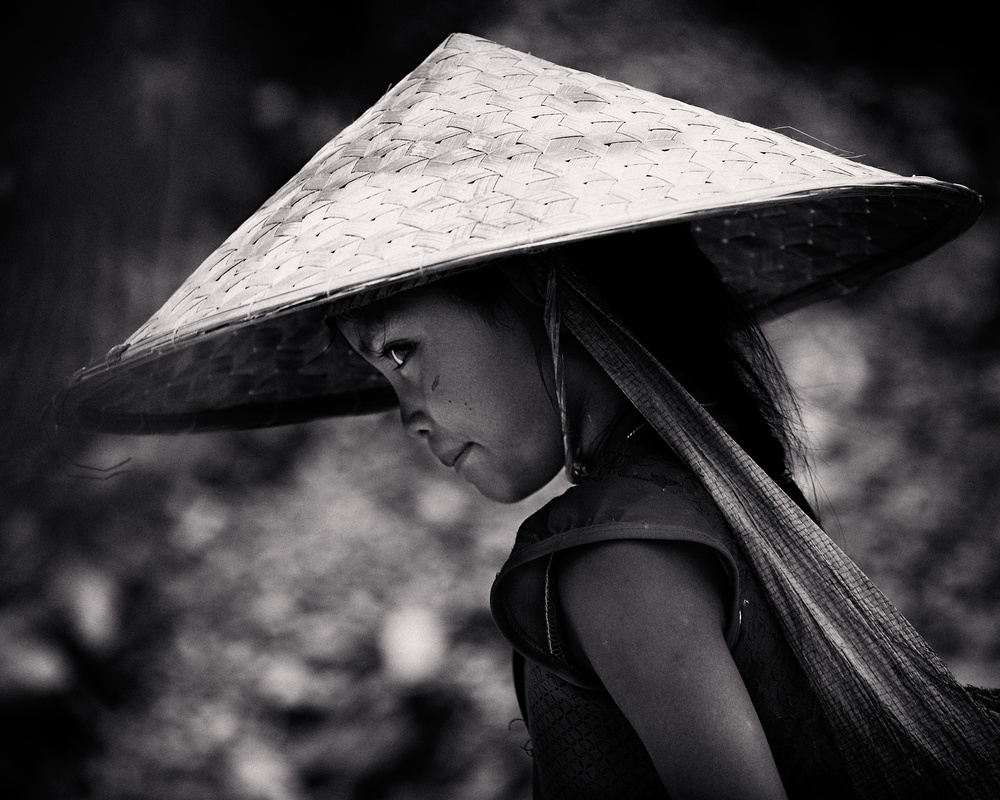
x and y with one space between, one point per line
599 414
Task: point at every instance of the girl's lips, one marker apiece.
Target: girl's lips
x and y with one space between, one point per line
460 458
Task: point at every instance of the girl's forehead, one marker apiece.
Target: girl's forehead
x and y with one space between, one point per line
422 307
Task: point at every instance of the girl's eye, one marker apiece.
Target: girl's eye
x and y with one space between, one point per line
397 353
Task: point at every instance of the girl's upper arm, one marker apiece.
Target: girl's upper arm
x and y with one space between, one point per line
648 617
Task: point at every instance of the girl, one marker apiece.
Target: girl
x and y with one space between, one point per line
626 594
545 269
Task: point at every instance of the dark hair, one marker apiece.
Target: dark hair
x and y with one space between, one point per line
672 298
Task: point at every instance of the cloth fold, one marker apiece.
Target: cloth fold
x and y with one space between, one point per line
904 724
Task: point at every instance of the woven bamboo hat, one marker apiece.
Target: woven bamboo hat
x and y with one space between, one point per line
481 152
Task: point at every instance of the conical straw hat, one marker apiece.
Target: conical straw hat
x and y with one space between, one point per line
481 152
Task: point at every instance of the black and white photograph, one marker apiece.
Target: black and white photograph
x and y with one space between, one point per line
502 400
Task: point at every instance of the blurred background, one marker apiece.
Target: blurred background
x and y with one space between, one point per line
302 612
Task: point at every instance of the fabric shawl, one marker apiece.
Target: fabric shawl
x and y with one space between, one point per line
904 724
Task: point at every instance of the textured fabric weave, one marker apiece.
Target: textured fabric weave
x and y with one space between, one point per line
905 726
583 746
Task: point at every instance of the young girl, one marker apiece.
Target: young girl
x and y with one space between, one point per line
636 625
545 269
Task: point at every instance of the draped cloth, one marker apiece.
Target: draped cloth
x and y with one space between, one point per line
904 724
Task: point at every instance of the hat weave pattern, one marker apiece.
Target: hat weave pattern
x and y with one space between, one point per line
479 153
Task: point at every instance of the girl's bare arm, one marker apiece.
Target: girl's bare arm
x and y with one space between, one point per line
648 617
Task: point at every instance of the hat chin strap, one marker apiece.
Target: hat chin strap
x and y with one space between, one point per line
536 280
553 326
891 702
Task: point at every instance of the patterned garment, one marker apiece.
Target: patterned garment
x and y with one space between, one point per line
582 744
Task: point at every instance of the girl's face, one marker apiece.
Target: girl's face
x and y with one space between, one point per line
477 391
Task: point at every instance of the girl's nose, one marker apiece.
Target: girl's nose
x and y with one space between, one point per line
415 421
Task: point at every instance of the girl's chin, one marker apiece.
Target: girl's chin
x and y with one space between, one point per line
501 496
503 489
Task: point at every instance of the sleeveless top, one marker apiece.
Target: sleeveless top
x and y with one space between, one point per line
582 745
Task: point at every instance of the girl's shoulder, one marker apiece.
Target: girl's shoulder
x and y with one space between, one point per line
646 495
641 490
